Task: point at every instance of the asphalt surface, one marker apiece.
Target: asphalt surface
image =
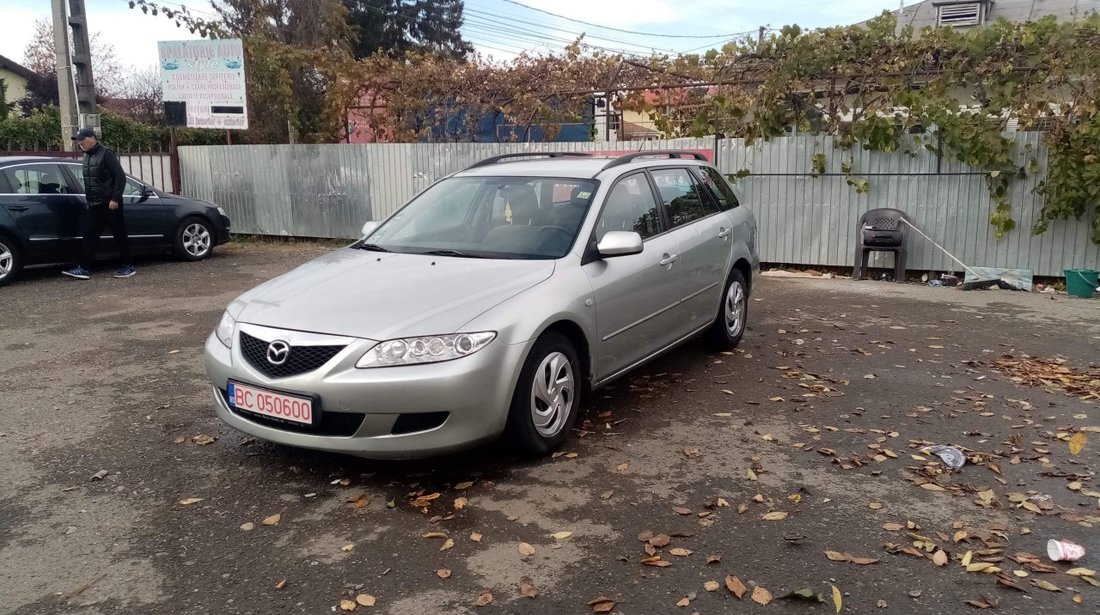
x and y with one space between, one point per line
817 415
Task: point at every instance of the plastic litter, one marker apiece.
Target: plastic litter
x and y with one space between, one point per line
951 456
1064 551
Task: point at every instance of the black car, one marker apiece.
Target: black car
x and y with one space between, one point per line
42 208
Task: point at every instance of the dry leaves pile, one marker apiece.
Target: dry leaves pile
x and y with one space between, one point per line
1051 374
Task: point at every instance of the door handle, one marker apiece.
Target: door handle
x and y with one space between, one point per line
724 232
668 259
17 208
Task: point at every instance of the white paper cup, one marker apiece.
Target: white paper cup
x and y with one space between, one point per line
1062 551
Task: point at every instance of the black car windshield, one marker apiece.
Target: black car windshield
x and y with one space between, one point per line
490 217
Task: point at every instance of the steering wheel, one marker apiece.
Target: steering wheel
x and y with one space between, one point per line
560 229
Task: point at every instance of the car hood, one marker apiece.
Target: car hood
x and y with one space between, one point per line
381 296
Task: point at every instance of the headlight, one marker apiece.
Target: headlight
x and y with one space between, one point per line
222 212
431 349
225 329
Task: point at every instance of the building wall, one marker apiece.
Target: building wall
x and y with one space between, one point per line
17 85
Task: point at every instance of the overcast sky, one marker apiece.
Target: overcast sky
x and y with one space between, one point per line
497 27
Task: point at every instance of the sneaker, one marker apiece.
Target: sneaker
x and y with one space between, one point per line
79 273
125 271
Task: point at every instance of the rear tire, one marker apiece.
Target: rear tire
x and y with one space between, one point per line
733 314
194 239
547 398
11 260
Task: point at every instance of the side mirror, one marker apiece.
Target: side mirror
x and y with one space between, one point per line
146 192
369 227
620 243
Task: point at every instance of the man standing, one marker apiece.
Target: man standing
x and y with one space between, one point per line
104 181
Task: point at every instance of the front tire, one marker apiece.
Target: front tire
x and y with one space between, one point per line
10 260
546 401
733 314
194 239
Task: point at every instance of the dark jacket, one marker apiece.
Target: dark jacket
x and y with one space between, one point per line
104 179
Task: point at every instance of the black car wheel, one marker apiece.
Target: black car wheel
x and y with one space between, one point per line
547 397
194 239
10 260
726 331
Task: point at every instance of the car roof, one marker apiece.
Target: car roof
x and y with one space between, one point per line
5 160
586 167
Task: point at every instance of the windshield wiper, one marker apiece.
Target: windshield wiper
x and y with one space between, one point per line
373 247
450 252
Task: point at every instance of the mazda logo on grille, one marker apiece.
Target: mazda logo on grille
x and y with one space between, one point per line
277 352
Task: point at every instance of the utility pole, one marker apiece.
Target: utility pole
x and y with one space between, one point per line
760 38
64 74
82 60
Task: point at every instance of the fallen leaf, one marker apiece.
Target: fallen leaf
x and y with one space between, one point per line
742 508
606 495
460 503
525 549
875 506
348 605
660 540
365 600
1081 572
683 602
836 556
190 501
561 535
443 573
347 547
1077 599
203 439
623 467
749 474
485 599
691 452
711 586
940 558
449 544
464 485
678 552
979 604
758 498
761 595
527 590
602 605
777 515
736 587
893 527
476 537
932 487
714 559
280 584
1077 443
721 502
656 562
775 399
680 510
361 501
434 535
1047 585
838 603
273 519
248 527
966 558
960 535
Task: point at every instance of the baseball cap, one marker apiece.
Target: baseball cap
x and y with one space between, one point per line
84 132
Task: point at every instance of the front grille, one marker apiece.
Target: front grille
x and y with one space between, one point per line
300 360
342 424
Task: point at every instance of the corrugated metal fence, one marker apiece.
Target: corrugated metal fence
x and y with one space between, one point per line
330 190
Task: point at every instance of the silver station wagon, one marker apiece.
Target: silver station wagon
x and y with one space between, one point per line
489 306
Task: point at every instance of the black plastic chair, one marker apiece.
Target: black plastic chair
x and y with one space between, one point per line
881 230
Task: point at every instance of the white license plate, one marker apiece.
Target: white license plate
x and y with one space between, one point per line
269 403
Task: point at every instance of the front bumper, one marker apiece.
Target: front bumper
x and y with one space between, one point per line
223 232
475 393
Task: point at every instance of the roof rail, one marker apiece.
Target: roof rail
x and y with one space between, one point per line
670 153
496 159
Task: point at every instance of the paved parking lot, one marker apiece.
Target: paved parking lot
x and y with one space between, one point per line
751 465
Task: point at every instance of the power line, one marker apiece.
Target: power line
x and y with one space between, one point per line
538 38
476 14
596 25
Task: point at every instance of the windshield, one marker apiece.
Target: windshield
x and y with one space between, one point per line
490 217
